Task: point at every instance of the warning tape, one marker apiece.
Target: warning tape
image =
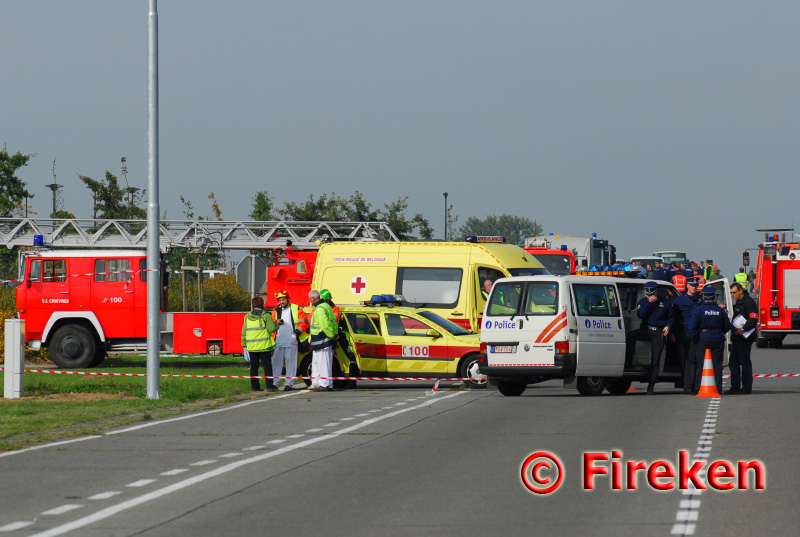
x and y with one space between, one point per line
102 374
454 379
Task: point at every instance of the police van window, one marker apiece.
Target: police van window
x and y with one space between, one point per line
541 299
628 298
597 300
504 299
54 270
112 270
667 292
429 287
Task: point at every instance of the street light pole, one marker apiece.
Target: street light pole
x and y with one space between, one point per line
445 216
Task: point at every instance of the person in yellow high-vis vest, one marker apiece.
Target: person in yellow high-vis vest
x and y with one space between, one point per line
292 330
257 331
324 331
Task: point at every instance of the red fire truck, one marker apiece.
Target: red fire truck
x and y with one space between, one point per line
83 304
559 261
777 287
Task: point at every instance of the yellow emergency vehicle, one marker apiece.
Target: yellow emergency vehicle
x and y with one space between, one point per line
447 278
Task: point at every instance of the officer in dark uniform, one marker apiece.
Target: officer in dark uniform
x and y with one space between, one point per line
707 327
656 316
681 313
740 365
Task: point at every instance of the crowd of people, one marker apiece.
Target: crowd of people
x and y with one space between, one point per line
678 273
695 323
273 341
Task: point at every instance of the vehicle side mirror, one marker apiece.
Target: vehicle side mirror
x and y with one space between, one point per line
300 267
432 333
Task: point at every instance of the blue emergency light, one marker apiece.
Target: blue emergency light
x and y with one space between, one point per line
38 240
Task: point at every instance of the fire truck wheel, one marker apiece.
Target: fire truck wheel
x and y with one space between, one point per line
511 388
72 346
99 355
468 368
618 386
591 385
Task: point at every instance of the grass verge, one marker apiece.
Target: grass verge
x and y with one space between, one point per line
56 406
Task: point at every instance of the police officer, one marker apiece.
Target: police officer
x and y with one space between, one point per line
701 280
660 273
656 316
740 365
707 327
257 331
679 281
682 312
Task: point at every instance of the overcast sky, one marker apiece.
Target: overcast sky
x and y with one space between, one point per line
657 125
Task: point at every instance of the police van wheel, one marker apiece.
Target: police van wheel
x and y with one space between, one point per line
511 388
591 385
618 387
72 346
468 368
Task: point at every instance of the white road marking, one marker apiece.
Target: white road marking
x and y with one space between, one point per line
230 455
16 526
295 436
203 463
105 495
153 495
689 510
334 424
277 441
62 509
141 483
175 471
314 430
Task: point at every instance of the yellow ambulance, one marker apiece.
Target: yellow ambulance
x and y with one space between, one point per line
452 279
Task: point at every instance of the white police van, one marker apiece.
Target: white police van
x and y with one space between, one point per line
539 328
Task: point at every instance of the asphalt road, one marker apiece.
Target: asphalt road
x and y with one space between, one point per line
386 459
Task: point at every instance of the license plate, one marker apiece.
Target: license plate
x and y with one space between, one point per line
504 348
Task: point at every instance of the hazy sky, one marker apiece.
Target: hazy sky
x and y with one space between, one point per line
657 125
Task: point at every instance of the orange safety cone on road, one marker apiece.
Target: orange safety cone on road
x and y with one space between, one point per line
632 389
708 384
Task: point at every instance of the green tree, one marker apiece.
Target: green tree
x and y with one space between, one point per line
394 214
113 202
262 207
12 188
514 228
323 208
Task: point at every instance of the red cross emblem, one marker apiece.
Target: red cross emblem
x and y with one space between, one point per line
358 285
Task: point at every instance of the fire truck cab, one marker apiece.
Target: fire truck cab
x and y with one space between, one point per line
81 303
777 287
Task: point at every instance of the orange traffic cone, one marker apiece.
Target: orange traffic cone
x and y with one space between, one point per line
708 383
632 389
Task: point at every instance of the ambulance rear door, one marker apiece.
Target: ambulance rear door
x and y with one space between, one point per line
601 329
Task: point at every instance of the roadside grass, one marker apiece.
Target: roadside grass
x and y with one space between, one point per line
59 405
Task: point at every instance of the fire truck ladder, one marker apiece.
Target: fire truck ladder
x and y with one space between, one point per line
204 235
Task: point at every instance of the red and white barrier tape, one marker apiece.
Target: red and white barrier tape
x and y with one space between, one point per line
454 379
101 374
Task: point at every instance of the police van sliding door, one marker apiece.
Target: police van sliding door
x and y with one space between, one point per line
601 330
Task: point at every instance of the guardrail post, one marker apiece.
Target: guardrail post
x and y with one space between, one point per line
14 367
